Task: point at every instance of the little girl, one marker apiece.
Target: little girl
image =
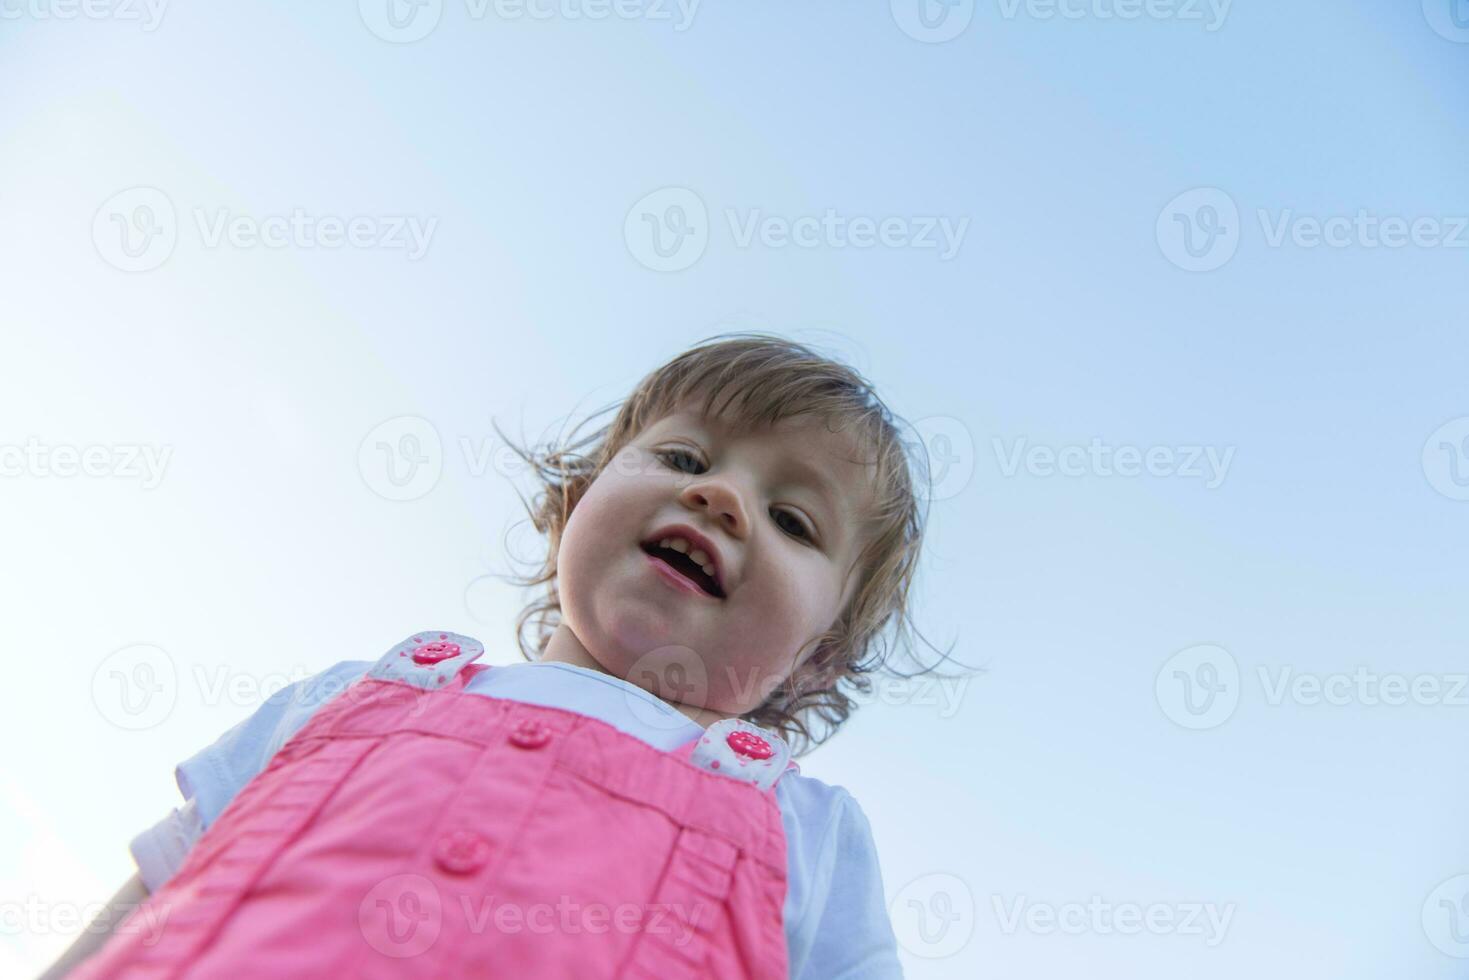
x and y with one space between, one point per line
625 803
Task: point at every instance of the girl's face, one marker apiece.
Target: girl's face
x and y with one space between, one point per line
781 508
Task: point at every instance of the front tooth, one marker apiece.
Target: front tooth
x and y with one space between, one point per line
700 558
678 544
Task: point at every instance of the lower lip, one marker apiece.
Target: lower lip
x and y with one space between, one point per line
666 572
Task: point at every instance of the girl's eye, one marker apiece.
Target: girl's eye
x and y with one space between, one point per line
679 454
800 524
799 528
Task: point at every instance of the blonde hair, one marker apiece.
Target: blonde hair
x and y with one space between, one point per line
768 378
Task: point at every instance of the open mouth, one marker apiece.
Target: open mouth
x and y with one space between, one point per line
685 566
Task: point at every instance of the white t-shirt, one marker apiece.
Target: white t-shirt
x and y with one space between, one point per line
836 921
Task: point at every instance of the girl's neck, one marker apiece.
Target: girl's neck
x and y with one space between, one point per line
565 648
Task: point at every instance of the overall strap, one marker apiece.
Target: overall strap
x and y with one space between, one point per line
741 750
428 660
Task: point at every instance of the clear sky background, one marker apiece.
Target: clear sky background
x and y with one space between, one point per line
1182 758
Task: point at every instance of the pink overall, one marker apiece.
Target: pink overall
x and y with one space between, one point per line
412 829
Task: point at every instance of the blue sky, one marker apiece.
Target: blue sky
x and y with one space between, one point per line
463 231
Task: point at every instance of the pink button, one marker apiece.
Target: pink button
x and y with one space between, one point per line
435 651
461 852
530 735
750 745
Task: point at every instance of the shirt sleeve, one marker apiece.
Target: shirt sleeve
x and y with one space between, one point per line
853 939
211 777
